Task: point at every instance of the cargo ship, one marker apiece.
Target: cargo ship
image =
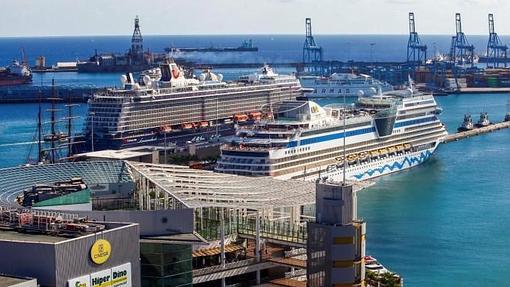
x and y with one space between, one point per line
15 74
381 134
166 106
246 46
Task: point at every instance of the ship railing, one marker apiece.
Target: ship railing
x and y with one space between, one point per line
248 148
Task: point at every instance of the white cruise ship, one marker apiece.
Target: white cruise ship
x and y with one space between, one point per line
165 106
384 134
339 85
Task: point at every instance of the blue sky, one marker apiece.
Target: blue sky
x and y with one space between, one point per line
171 17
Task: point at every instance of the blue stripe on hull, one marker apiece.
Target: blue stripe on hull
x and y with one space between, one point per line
396 166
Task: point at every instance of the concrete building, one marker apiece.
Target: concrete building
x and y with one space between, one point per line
336 240
61 256
14 281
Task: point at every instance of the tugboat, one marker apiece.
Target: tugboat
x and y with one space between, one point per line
483 121
507 117
467 124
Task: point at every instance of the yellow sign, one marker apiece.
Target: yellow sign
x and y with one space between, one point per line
100 251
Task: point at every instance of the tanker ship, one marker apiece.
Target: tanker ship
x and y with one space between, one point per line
15 74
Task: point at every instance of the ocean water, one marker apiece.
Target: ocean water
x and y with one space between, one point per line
444 223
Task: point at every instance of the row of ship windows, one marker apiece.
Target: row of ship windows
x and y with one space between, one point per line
220 97
294 151
332 137
224 106
419 103
332 91
243 167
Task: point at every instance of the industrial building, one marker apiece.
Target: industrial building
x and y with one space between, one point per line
58 251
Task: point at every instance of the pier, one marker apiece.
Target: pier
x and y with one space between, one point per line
476 131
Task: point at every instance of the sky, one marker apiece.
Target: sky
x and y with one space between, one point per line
23 18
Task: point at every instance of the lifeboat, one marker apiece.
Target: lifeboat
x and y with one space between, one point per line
352 158
255 116
383 151
204 124
363 155
165 129
186 126
392 149
240 118
399 147
407 146
339 158
374 153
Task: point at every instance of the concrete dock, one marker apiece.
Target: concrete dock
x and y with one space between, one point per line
476 131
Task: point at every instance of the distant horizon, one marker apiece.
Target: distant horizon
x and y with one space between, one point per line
233 34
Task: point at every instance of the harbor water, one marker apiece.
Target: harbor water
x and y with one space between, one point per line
444 223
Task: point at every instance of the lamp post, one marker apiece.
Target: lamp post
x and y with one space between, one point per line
92 114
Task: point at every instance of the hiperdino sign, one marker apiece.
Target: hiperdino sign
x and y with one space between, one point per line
119 276
100 251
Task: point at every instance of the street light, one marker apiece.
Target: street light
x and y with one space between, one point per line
92 114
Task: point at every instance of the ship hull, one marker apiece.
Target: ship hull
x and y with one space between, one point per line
15 82
380 167
179 138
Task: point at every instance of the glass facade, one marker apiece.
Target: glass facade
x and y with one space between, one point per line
168 265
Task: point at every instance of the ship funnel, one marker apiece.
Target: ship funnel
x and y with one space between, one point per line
123 80
166 72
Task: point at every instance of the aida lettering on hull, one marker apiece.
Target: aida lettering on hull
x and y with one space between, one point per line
83 281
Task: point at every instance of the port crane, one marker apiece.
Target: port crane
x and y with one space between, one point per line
416 51
312 53
496 50
461 52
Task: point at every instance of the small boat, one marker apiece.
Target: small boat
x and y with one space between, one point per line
467 124
507 117
483 121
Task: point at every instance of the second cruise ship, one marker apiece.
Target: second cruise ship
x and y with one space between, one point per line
165 105
385 133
